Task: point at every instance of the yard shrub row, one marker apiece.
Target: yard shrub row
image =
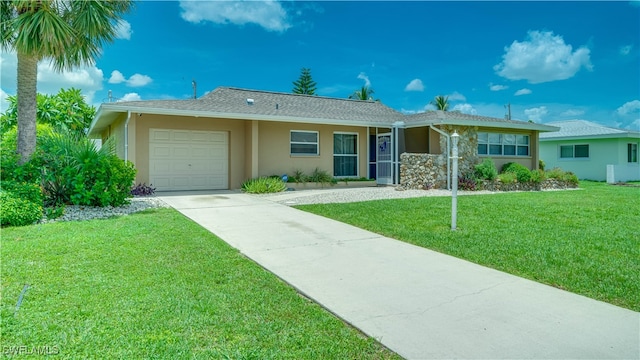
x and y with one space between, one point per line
65 169
512 173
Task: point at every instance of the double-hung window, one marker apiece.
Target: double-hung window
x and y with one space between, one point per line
345 155
304 143
495 144
632 153
574 151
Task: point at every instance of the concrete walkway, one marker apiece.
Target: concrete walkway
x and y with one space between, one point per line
419 303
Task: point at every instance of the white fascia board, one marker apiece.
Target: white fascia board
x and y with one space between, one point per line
628 135
238 116
490 124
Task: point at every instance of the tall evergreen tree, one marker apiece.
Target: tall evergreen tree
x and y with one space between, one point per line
304 84
68 32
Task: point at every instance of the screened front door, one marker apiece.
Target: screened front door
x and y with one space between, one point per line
384 158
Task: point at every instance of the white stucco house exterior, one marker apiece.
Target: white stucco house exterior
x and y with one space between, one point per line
592 151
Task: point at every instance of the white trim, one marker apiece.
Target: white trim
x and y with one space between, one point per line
356 155
317 143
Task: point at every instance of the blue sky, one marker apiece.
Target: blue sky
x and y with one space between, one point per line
550 60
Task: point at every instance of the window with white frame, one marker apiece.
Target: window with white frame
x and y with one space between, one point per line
304 142
496 144
345 154
574 151
632 153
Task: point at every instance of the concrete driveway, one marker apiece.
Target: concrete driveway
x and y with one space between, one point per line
419 303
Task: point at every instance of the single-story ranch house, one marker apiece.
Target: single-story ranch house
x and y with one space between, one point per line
592 151
230 135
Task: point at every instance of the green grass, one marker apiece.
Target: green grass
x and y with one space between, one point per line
584 241
156 285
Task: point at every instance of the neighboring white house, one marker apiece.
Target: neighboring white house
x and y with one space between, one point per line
592 151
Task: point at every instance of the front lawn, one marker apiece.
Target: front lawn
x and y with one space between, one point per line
585 241
156 285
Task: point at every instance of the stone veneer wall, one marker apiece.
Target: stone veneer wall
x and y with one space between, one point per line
426 171
423 171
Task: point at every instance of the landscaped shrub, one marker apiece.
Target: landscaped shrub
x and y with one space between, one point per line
24 191
538 176
28 172
541 164
321 176
523 174
15 211
561 175
467 182
486 170
264 185
75 171
507 178
143 190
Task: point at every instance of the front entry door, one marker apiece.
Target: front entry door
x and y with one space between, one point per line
384 158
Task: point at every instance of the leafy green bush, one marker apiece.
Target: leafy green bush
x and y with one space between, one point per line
523 174
507 178
9 168
321 176
541 164
15 211
264 185
559 174
486 170
538 176
24 191
76 172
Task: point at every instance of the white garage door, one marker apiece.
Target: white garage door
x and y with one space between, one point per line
188 160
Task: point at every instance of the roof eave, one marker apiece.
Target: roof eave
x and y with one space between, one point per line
628 135
494 124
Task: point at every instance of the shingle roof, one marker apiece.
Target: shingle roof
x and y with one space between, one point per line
585 129
238 103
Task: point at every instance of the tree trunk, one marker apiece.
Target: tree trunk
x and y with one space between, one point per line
27 94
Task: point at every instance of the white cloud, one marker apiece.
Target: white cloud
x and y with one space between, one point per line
123 30
536 114
4 104
465 109
497 87
625 50
138 80
415 85
629 107
135 80
269 14
543 57
635 125
116 77
524 91
130 97
364 77
86 78
456 96
572 112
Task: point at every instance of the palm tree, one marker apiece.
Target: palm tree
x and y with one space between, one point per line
441 102
365 93
67 32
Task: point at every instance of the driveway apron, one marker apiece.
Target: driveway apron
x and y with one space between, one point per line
417 302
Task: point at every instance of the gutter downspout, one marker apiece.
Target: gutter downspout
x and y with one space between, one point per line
448 152
126 136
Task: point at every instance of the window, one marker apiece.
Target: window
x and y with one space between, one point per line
574 151
632 153
503 144
345 154
304 143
